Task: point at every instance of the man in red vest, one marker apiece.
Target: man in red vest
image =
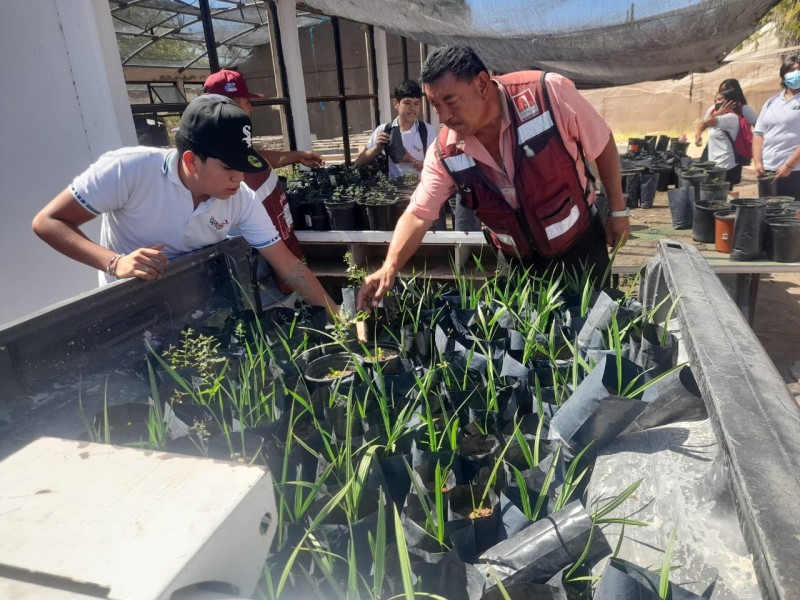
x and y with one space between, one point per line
231 84
517 147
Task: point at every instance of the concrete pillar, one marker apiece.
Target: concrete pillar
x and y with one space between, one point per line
287 19
385 86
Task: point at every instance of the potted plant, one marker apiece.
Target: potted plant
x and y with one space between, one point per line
380 210
341 207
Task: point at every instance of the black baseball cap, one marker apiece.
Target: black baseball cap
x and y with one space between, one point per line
219 128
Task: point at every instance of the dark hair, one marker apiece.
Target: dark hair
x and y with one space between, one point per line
461 61
732 85
787 64
182 144
408 89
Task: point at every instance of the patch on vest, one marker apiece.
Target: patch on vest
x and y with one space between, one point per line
525 105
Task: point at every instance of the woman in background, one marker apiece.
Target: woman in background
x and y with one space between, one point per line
731 89
776 136
723 127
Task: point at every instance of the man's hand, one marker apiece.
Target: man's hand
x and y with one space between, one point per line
417 164
382 139
144 263
311 159
374 288
618 230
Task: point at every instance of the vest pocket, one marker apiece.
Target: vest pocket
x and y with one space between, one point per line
505 230
558 222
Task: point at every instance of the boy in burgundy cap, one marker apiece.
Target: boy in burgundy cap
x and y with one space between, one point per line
231 84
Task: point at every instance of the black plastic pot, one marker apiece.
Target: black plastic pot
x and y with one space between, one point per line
766 184
341 214
480 505
636 145
381 215
710 192
541 550
748 229
316 217
703 220
783 240
622 579
693 177
648 183
677 147
664 173
332 370
631 180
595 412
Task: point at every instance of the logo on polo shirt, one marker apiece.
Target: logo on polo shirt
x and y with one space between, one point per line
217 225
231 87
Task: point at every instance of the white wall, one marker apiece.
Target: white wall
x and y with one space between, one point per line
62 104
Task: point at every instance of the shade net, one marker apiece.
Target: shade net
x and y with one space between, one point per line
596 43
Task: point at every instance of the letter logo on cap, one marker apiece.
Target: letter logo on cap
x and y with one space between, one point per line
246 138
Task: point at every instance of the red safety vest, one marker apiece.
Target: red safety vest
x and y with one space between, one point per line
277 207
553 209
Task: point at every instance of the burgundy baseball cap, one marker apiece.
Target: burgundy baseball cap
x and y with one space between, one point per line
228 83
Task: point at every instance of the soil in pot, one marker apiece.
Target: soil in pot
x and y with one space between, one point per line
664 173
331 370
387 357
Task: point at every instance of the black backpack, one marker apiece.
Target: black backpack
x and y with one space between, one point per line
396 144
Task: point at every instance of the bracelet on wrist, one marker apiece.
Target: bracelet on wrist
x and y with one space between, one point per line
111 269
625 212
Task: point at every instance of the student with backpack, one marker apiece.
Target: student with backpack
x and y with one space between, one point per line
729 135
404 140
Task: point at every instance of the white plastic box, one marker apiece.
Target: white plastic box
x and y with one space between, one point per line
80 519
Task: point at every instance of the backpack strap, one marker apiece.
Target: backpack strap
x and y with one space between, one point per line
422 128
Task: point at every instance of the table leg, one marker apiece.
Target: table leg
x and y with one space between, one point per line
746 293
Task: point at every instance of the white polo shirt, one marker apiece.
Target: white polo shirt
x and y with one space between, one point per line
142 202
412 142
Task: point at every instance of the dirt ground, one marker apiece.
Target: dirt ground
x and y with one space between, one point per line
777 311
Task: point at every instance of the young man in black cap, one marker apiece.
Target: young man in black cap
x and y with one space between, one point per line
157 204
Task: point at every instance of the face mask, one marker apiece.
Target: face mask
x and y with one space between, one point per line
792 80
718 105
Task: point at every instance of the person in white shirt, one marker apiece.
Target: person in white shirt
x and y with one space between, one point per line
405 139
776 136
723 125
157 204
